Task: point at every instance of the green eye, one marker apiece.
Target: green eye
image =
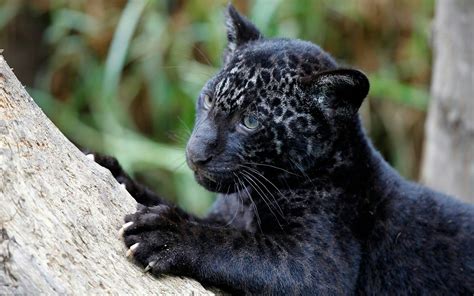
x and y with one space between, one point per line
250 122
207 100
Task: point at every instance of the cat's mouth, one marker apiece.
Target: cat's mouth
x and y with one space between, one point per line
222 181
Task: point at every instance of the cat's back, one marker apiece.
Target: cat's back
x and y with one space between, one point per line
422 243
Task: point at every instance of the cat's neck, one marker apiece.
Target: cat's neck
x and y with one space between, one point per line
355 167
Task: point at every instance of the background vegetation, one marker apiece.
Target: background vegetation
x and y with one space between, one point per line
121 77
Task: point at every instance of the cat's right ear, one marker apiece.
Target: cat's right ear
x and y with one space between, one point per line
339 91
239 31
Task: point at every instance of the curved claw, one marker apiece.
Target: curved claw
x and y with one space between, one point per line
132 249
150 266
124 227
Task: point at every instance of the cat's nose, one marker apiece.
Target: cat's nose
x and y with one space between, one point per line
198 152
202 145
196 159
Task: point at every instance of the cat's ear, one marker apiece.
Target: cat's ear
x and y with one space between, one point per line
339 91
239 31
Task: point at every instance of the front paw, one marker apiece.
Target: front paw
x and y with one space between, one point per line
108 162
158 239
112 164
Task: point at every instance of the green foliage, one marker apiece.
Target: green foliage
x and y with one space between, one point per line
122 79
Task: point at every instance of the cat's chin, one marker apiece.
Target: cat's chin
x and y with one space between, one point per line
218 184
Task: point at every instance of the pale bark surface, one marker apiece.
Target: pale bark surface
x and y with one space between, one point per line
448 163
60 212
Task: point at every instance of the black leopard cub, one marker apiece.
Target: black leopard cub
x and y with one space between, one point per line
306 205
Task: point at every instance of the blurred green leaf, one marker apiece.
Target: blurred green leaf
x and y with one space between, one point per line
395 91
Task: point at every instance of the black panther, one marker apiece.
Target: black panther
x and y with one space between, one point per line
306 204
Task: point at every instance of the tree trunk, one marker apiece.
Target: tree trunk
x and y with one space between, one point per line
60 212
448 163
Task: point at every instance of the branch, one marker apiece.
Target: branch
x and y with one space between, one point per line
60 212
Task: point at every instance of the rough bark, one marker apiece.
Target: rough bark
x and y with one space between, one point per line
60 212
448 163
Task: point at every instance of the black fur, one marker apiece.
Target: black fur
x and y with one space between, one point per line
306 206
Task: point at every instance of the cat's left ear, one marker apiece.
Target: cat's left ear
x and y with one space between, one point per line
340 91
239 31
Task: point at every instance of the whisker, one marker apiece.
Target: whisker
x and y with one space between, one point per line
259 221
262 196
294 163
218 185
277 206
181 140
179 165
238 209
261 175
271 166
187 129
203 55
